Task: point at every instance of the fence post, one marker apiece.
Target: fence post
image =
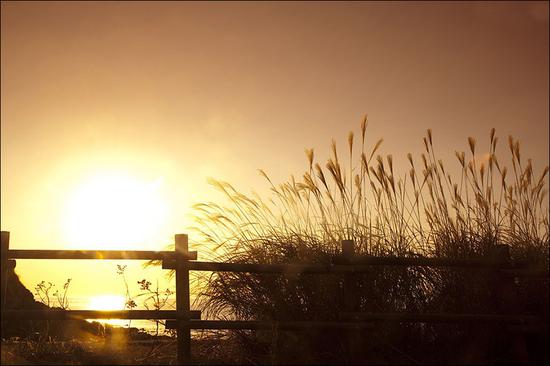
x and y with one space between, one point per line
5 242
183 300
350 298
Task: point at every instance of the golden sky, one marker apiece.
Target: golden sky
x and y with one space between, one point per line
156 97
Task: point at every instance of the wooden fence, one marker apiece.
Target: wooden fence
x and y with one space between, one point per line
183 319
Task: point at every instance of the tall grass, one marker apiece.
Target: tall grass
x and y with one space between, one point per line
359 195
426 211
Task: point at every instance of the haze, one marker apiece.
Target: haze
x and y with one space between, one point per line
170 93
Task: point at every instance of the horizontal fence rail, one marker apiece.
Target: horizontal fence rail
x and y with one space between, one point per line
360 265
360 268
359 320
95 254
441 318
95 314
280 325
431 262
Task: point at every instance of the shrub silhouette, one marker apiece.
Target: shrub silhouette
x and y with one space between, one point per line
426 212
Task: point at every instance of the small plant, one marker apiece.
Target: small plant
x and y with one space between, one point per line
153 299
58 299
129 302
62 298
43 291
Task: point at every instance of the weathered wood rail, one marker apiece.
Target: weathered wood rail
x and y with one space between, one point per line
183 319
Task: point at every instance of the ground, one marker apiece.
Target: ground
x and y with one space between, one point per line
102 351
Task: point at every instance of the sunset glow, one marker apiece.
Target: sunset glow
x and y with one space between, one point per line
112 209
106 302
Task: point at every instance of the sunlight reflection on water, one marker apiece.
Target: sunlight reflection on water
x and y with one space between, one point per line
83 303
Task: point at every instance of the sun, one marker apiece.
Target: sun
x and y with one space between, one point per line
106 302
114 211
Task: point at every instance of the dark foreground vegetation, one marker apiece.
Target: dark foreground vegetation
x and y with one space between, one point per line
209 350
467 211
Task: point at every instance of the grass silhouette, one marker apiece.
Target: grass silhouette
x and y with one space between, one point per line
358 196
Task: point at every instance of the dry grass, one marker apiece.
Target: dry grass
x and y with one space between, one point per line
208 348
425 212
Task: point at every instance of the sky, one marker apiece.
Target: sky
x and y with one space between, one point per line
152 98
